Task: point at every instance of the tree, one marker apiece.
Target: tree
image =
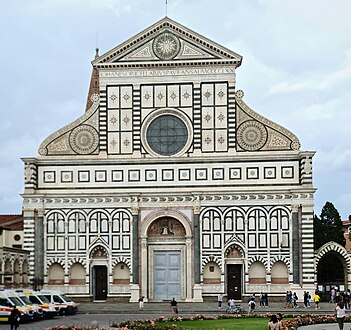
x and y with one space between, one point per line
328 227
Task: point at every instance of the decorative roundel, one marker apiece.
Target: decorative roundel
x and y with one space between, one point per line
84 139
166 46
251 135
239 94
295 145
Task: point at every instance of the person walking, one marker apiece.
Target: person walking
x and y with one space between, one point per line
340 314
262 299
220 300
141 303
14 318
266 300
174 307
305 299
295 299
317 299
252 305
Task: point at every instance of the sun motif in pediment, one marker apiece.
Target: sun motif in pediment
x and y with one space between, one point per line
166 46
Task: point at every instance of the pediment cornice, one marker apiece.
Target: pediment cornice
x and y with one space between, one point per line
193 48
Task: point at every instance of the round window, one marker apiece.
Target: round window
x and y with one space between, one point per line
167 135
17 237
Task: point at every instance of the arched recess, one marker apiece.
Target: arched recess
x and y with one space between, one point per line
56 274
25 273
16 274
332 266
279 273
336 247
257 273
121 274
77 274
8 274
211 273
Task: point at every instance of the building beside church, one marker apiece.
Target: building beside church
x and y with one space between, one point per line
13 259
169 185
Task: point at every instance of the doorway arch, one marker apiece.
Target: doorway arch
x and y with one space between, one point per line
234 268
166 256
336 276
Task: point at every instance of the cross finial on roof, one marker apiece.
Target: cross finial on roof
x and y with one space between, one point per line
166 7
96 52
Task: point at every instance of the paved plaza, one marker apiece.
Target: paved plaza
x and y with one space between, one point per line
105 314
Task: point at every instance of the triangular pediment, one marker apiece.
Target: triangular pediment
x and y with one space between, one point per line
168 41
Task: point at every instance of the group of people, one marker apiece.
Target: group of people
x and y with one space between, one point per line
336 296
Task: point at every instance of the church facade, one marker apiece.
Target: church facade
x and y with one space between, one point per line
169 185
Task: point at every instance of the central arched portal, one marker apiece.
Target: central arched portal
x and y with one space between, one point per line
234 263
166 244
166 252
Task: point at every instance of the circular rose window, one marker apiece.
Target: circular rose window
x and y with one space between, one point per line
167 132
167 135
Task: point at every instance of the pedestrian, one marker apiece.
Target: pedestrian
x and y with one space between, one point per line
261 299
347 299
295 299
274 323
266 299
308 299
289 299
174 307
282 322
316 299
220 300
332 295
340 314
15 318
305 299
252 305
141 303
337 297
231 304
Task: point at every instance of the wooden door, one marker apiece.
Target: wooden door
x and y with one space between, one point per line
100 282
234 281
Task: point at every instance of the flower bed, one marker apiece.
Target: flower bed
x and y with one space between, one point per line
292 321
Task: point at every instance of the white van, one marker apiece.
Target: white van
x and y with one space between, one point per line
65 304
8 301
30 297
37 311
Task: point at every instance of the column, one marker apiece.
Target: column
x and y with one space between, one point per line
296 244
197 257
38 249
135 288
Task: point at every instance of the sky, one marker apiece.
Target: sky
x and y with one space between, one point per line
296 71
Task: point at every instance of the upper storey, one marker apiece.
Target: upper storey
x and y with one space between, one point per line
167 92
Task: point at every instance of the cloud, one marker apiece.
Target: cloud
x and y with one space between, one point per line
329 80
